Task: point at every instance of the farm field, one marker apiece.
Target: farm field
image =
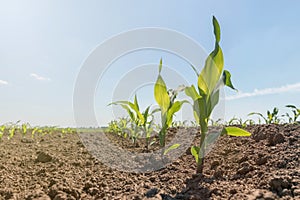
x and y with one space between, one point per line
58 166
118 101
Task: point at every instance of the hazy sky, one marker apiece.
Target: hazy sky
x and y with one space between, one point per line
43 45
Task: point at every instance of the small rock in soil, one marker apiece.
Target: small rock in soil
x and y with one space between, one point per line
262 160
214 164
151 193
246 167
43 157
27 140
218 174
286 192
276 139
278 184
93 191
259 135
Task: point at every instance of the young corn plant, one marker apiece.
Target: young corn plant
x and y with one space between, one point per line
140 121
11 132
33 131
2 130
24 128
296 114
113 127
177 124
12 128
166 99
240 122
119 127
123 124
217 122
271 118
210 80
65 131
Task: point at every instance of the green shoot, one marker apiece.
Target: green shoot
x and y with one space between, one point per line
34 130
166 101
296 113
240 122
24 129
215 122
11 132
271 118
2 130
140 121
174 146
113 127
210 80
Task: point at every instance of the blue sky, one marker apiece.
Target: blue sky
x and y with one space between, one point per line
44 44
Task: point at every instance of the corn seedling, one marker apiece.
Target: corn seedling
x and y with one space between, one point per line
271 118
11 132
113 127
296 114
2 130
33 131
177 124
240 122
235 121
166 101
194 124
217 122
140 123
210 80
248 122
24 128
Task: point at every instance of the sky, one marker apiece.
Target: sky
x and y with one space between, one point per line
44 44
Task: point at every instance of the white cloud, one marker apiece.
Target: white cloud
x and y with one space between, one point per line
3 82
38 77
286 88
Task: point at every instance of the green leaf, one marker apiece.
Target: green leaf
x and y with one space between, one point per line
155 110
127 105
174 108
211 72
217 30
227 79
212 102
259 114
196 116
197 102
136 102
130 113
195 152
235 131
174 146
195 70
292 106
138 113
146 113
160 66
191 92
161 94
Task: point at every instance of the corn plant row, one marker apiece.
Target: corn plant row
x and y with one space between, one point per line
204 99
11 129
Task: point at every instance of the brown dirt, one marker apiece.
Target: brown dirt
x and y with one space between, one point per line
263 166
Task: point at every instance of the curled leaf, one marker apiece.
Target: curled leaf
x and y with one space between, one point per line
235 131
174 146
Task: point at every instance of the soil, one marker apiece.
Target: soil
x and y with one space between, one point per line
263 166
